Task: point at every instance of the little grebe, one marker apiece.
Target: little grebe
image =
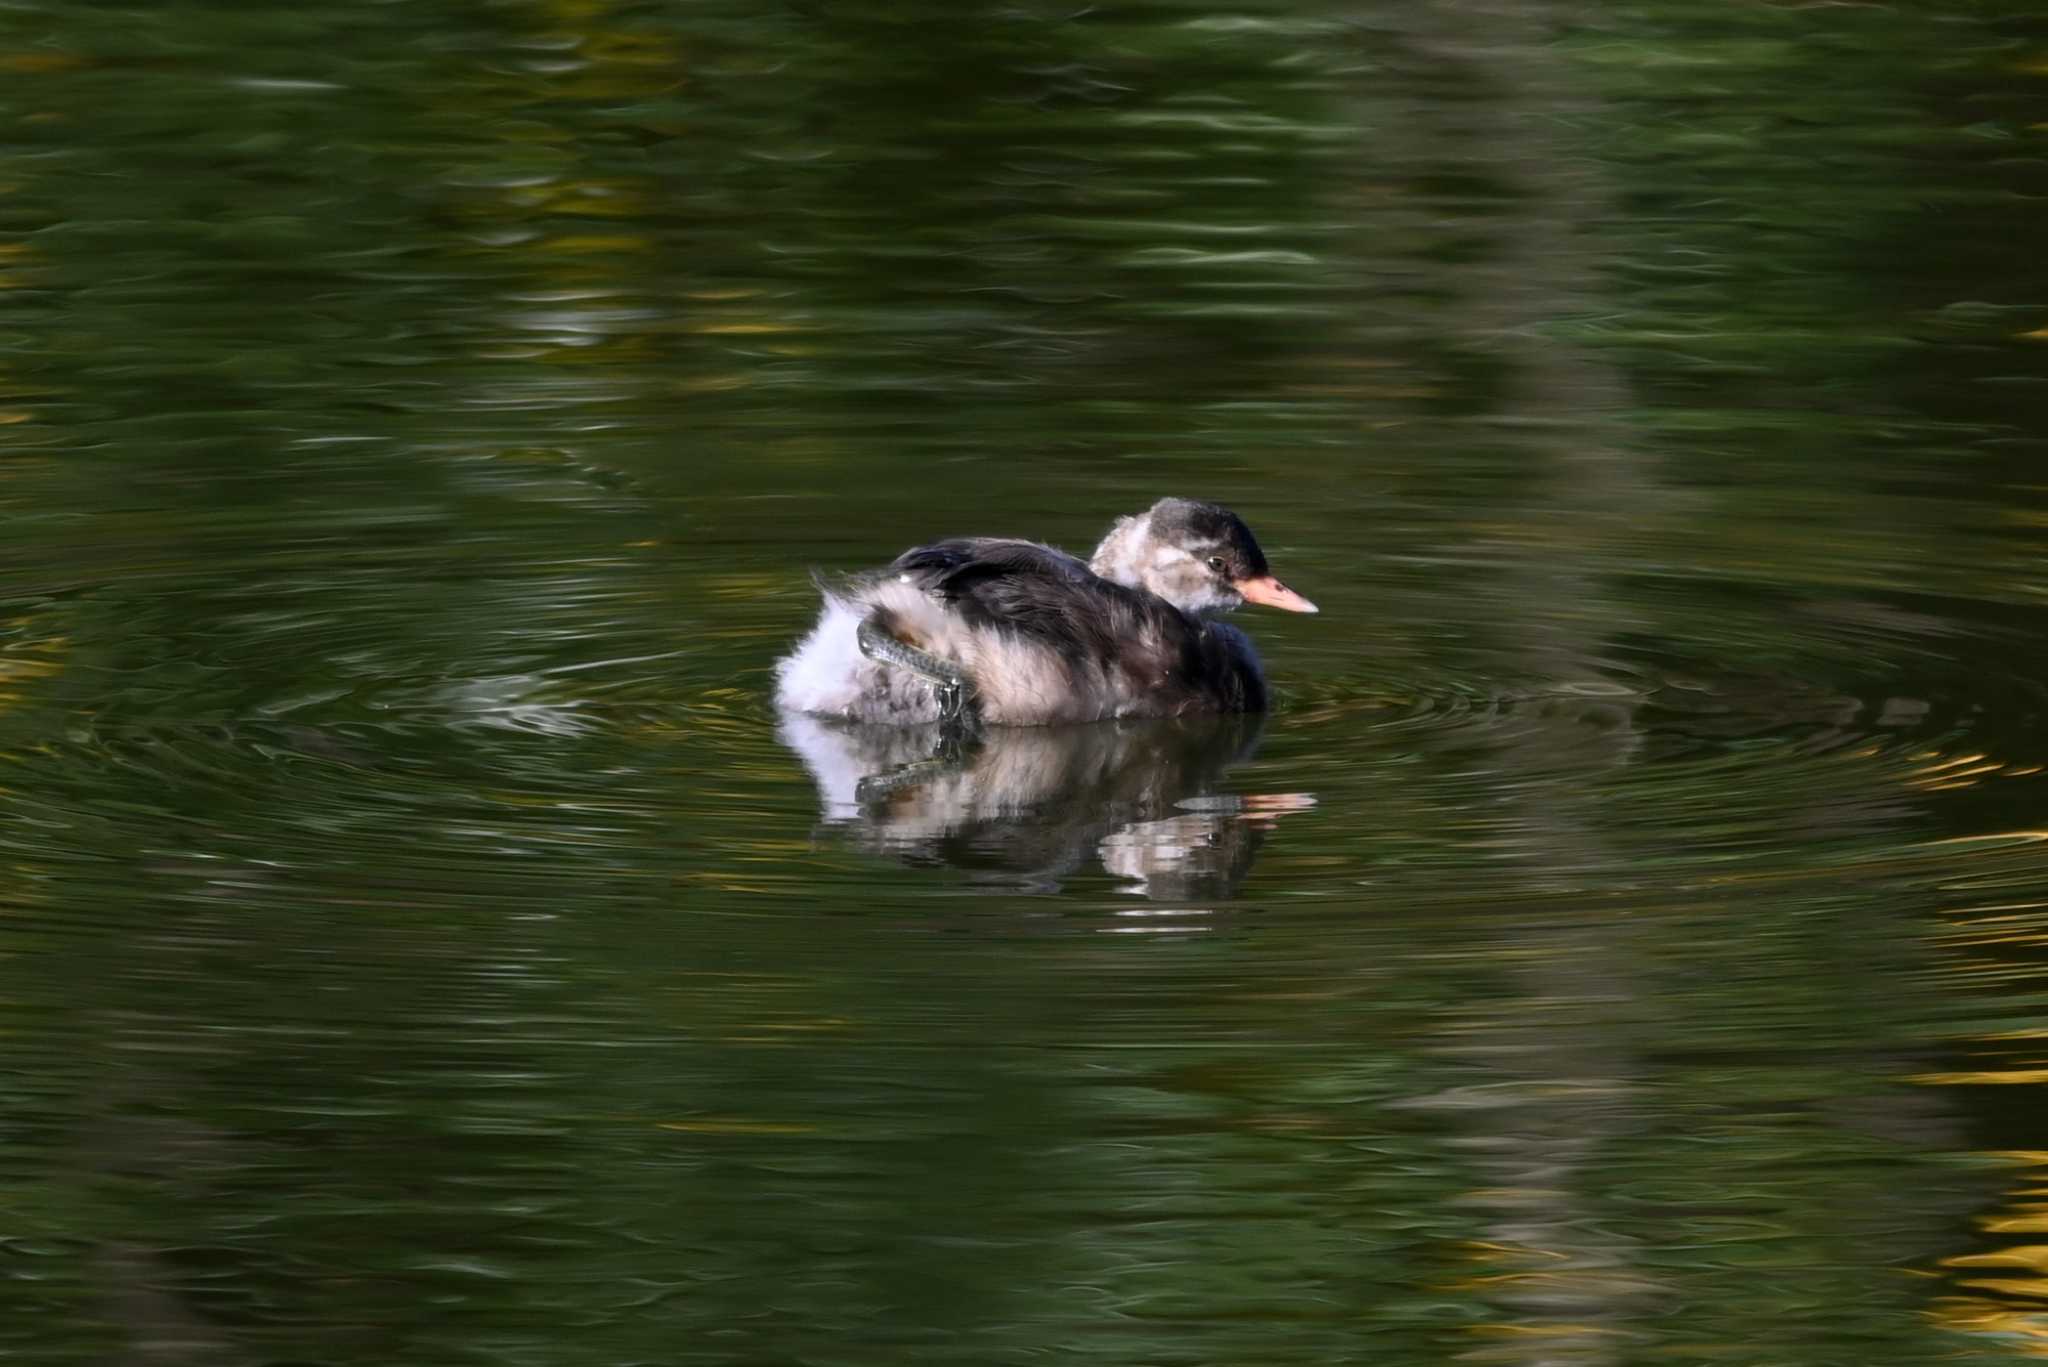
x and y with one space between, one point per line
1015 633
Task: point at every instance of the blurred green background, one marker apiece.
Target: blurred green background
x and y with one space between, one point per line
421 943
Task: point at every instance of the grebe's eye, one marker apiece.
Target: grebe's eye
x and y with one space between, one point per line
1216 563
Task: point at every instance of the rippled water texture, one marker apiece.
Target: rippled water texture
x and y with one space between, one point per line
421 941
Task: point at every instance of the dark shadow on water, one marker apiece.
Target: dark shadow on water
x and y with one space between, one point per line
1029 807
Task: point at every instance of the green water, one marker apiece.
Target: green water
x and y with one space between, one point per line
421 942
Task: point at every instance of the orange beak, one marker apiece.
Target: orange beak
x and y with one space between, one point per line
1274 594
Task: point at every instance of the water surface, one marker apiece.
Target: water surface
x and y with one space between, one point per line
423 943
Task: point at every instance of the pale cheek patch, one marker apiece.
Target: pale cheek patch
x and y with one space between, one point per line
1210 598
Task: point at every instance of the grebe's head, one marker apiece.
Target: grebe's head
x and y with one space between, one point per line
1197 556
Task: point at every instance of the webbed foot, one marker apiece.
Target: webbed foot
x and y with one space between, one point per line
951 687
949 756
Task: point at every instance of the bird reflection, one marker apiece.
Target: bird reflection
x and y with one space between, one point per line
1031 806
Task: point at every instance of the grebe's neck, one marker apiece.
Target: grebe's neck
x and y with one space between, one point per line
1123 555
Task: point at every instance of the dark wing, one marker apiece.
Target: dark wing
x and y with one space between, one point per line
1035 591
1048 596
952 569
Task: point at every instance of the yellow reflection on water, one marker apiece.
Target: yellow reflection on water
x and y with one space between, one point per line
2000 1287
24 664
2023 1332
